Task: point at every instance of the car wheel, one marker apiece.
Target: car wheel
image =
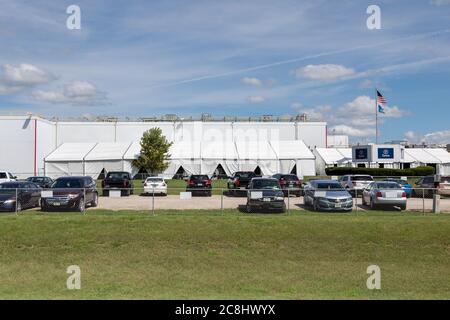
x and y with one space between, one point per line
248 208
314 205
81 205
283 209
403 207
94 202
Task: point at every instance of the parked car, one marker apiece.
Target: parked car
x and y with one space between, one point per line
406 186
118 180
355 183
6 177
290 184
155 185
199 184
43 182
265 194
384 193
426 187
28 196
240 180
327 195
71 193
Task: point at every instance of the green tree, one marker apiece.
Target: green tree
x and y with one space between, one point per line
154 154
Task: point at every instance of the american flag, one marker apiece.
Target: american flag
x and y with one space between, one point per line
380 98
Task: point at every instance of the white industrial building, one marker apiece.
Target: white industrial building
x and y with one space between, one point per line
33 145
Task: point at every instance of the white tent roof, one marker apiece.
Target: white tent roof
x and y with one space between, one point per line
332 155
291 149
185 150
347 153
70 152
255 150
108 151
439 153
219 150
133 151
420 155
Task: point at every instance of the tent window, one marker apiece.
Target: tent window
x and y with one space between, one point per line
294 170
141 175
102 175
361 165
431 165
220 173
180 174
406 165
381 165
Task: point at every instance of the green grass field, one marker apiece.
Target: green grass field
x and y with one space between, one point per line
224 255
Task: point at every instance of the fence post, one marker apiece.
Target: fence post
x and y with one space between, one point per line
221 199
423 200
289 202
153 200
17 201
356 200
84 200
436 202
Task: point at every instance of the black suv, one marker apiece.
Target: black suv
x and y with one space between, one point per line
199 184
71 193
290 184
118 180
240 179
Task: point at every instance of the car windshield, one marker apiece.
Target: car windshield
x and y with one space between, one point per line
154 180
266 184
10 188
36 179
387 185
290 177
117 175
67 183
329 186
199 177
445 179
400 182
2 175
244 175
362 178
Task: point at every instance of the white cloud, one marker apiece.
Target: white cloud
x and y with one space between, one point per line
252 81
352 131
324 72
17 78
437 137
256 99
74 93
355 118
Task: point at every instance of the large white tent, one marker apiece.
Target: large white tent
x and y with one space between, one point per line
195 157
68 159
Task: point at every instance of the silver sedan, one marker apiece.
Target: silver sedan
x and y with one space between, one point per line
384 193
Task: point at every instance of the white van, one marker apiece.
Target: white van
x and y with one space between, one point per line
6 177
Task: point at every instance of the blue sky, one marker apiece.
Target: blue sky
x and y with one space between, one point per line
245 58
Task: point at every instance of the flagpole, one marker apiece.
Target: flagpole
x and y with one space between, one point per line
376 116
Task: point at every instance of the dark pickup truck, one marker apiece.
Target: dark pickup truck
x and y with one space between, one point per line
118 180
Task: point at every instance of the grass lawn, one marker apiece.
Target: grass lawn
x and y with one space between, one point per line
224 255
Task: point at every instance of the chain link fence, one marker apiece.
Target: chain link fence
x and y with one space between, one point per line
16 200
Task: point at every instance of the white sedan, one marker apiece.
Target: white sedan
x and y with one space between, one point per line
155 185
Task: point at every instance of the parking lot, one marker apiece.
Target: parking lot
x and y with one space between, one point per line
138 202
